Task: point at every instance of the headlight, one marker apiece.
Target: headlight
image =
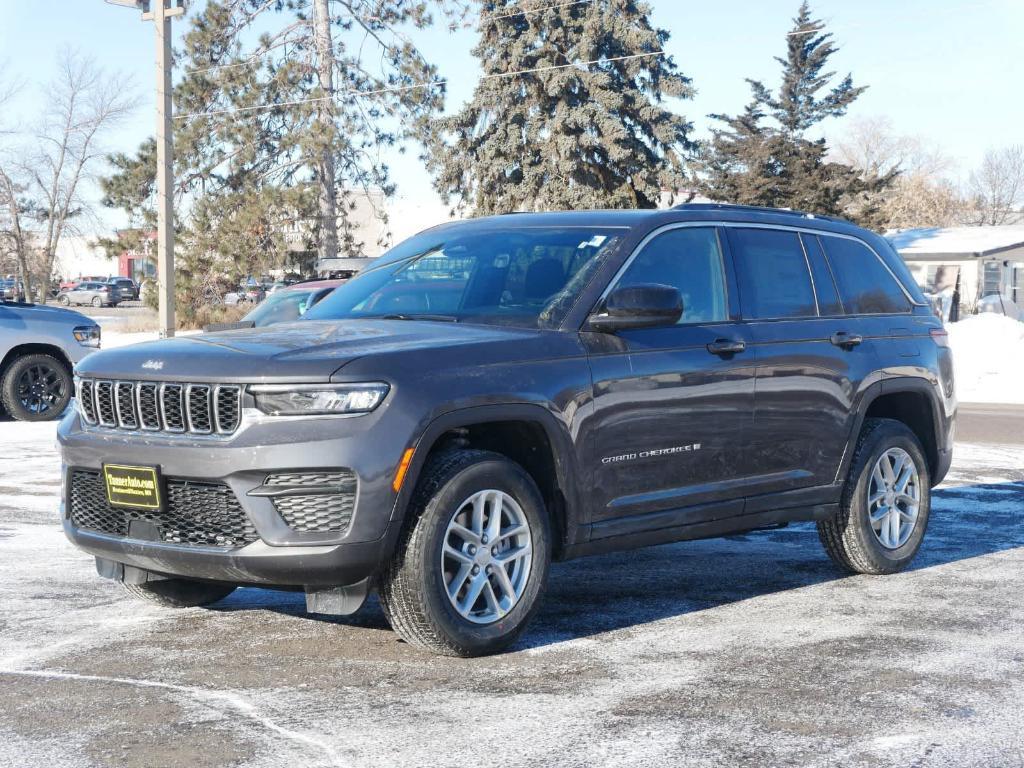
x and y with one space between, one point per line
88 335
313 399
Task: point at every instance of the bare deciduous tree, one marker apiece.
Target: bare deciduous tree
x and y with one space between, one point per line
42 188
997 186
922 195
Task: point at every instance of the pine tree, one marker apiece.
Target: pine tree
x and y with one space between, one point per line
584 135
768 156
284 128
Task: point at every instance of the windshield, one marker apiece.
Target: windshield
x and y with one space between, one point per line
281 307
525 277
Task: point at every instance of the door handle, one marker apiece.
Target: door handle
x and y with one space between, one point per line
726 346
844 339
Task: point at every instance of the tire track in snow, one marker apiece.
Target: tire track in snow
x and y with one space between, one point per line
205 696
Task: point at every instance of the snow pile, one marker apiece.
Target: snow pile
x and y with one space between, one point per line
988 359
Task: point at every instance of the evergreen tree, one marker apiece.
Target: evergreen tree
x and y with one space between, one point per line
768 156
584 135
284 128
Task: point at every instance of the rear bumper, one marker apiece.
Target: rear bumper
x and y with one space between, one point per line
255 564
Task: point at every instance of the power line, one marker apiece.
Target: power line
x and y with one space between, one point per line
401 88
257 55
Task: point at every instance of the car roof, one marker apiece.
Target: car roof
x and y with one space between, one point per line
312 285
632 218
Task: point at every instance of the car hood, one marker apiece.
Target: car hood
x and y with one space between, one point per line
49 313
301 351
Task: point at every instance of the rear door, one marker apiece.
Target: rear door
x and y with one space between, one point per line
672 415
810 365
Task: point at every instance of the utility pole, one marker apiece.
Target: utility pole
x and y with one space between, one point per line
161 13
328 199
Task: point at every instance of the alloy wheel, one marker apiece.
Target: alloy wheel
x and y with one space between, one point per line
894 498
39 388
486 556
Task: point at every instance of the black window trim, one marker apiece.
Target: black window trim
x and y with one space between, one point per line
831 276
621 271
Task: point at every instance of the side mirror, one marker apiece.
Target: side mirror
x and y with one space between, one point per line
648 305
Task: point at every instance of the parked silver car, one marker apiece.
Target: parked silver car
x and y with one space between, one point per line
39 346
96 294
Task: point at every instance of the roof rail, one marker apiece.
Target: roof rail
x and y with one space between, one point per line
756 208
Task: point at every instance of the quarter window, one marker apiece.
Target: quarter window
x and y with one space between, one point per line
865 285
690 259
772 273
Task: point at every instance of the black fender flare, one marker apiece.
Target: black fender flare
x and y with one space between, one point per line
563 452
891 386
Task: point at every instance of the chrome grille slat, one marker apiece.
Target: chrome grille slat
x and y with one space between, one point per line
175 407
197 409
124 405
226 408
172 411
87 401
146 397
105 404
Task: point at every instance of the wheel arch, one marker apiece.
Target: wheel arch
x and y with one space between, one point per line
528 434
911 401
21 350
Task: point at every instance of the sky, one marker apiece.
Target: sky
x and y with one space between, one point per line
949 72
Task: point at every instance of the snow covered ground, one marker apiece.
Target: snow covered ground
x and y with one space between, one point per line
988 359
746 651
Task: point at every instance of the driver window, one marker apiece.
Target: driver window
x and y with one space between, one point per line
689 259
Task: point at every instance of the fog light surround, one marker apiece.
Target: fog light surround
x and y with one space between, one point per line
318 399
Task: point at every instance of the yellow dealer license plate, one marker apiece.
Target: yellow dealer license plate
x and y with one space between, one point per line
135 487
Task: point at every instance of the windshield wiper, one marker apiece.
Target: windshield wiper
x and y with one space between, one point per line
439 318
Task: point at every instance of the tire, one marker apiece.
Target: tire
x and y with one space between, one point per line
36 388
180 593
414 593
64 300
850 539
97 301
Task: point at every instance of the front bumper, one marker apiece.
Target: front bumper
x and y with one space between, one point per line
255 564
262 446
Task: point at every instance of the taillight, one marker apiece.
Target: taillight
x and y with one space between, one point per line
940 336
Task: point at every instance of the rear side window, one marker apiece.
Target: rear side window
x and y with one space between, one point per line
824 284
865 285
772 273
689 259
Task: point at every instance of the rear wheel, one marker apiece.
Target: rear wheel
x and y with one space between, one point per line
884 510
469 573
36 388
180 593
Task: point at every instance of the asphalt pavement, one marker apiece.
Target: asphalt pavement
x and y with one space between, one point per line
990 424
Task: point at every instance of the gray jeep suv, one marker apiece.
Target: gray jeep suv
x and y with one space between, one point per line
496 393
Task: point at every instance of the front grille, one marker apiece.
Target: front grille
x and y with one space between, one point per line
330 510
196 514
198 409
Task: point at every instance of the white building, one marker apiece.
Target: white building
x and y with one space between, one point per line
985 261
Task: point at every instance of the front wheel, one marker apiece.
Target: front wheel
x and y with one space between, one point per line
64 300
36 388
470 571
883 514
180 593
97 301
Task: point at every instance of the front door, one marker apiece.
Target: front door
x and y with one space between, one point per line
672 405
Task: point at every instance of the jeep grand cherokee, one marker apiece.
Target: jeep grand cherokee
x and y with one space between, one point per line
496 393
